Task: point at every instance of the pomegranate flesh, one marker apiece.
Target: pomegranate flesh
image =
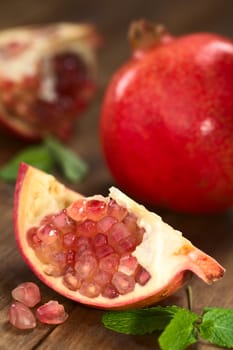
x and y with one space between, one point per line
167 120
47 77
106 252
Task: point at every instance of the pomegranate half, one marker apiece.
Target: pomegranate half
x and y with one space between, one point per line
109 253
47 77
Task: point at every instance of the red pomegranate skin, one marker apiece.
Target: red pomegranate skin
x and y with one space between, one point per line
167 124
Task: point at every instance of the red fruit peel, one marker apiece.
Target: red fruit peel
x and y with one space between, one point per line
167 120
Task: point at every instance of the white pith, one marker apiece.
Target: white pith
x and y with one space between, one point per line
160 251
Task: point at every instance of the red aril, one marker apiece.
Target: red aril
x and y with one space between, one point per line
167 120
129 265
20 316
51 313
27 293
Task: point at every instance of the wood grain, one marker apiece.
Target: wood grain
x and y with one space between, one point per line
214 234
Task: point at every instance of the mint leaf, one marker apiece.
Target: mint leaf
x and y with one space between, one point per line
73 167
37 156
217 326
180 332
139 321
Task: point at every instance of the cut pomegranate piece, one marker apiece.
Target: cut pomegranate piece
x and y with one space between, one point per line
27 293
20 316
138 261
123 283
51 313
61 81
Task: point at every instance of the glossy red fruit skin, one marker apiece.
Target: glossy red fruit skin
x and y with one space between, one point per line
167 124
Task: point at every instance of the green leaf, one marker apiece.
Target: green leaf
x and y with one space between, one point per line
37 156
180 332
73 167
217 326
139 321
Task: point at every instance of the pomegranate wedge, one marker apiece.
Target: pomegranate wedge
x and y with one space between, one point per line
109 253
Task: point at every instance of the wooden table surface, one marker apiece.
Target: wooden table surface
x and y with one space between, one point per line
213 234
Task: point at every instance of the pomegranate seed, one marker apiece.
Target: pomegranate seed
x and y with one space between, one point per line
21 317
77 210
27 293
53 270
83 245
100 240
51 313
109 263
90 289
70 257
116 210
72 281
69 240
126 245
123 283
43 253
110 292
32 238
47 234
128 264
87 228
96 209
142 276
139 235
63 222
102 278
103 251
47 220
86 266
117 233
130 222
83 240
105 224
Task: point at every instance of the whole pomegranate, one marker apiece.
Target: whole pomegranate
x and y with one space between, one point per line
167 120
